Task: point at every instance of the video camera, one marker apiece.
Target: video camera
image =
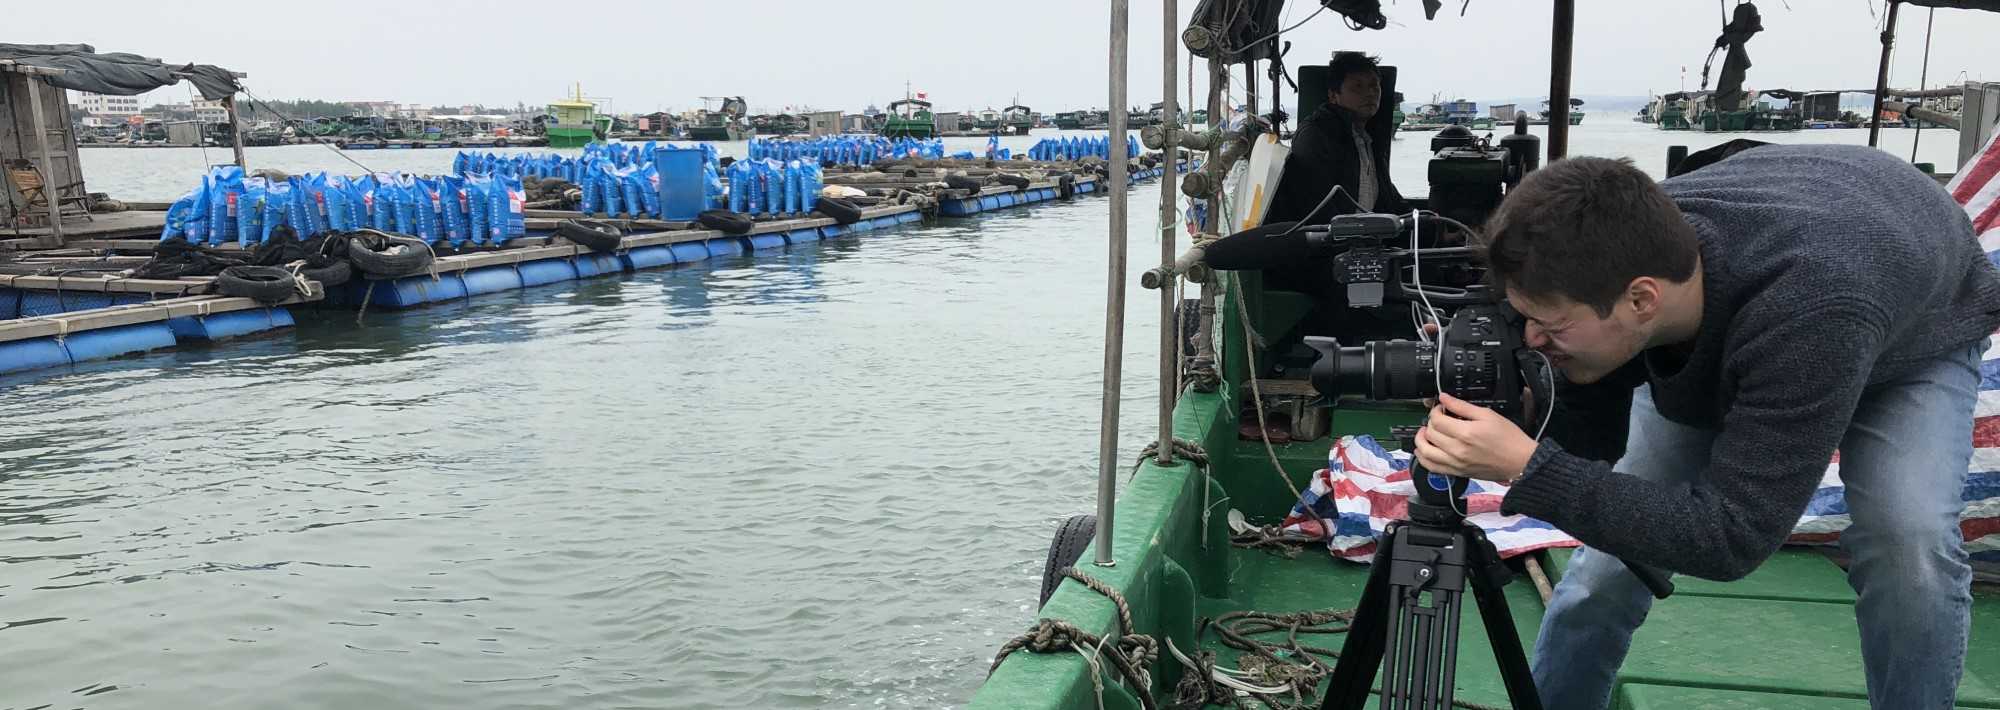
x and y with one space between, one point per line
1479 356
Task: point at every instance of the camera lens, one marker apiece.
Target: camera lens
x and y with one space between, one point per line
1393 369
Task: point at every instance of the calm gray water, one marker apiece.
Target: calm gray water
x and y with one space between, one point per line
818 478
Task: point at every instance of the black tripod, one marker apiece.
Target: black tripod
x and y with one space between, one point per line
1409 611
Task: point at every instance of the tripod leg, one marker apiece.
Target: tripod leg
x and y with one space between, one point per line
1499 621
1361 652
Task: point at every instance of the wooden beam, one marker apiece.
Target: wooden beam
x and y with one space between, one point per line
1882 74
49 180
235 131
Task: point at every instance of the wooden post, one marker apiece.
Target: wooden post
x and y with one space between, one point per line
49 179
235 131
1882 74
1560 40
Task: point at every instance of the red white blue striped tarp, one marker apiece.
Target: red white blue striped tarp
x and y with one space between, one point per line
1364 487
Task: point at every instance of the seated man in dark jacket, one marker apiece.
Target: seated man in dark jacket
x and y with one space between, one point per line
1332 147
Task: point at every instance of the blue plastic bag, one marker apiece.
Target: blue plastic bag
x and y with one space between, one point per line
277 208
478 195
516 206
497 211
592 201
611 195
430 203
740 187
404 195
646 180
810 184
793 183
177 216
250 212
629 190
339 205
225 189
773 180
452 217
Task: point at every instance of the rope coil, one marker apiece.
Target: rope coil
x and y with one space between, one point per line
1130 654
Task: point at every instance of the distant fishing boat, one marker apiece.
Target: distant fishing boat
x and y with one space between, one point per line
725 123
574 122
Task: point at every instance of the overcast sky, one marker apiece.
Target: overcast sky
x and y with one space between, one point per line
644 57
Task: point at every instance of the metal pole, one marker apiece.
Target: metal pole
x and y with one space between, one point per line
49 178
1882 74
235 131
1559 63
1114 307
1204 331
1170 347
1923 78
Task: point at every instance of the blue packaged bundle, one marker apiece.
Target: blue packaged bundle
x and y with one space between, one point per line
277 208
339 205
753 185
514 207
740 187
773 181
646 181
225 188
478 212
382 203
609 192
178 214
591 201
711 186
430 205
629 190
498 211
404 196
250 212
452 221
793 183
810 183
297 212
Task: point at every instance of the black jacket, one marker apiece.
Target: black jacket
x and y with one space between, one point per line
1323 155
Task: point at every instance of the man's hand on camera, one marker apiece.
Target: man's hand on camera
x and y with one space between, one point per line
1465 439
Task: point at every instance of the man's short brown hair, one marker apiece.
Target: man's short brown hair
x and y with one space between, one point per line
1584 228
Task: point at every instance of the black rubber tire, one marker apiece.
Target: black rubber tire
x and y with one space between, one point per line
388 256
499 142
340 144
331 275
1065 186
961 182
726 161
726 221
595 235
842 211
458 144
265 284
1064 550
1014 181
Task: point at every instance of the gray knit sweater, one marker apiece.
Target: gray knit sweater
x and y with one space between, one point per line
1826 269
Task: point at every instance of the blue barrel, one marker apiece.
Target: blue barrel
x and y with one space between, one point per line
649 257
681 182
546 271
112 342
491 279
690 251
32 354
595 264
802 236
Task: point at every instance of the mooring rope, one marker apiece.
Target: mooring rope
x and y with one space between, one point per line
1130 654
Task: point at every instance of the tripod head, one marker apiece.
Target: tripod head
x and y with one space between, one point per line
1440 499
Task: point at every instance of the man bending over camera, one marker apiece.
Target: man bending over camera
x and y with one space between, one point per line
1721 334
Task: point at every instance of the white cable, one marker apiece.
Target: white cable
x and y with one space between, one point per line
1437 355
1550 370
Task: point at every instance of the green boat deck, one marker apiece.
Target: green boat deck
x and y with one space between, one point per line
1783 637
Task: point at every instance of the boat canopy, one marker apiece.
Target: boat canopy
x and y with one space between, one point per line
117 73
920 103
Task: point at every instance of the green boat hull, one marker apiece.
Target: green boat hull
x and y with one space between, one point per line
1784 637
562 137
909 128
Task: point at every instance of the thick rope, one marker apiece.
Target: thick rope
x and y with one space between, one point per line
1280 674
1129 654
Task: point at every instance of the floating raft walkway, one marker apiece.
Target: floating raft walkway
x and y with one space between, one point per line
61 318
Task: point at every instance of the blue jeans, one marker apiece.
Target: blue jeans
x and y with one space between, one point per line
1903 461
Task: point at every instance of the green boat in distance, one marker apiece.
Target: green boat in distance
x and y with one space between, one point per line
1017 120
1069 120
726 122
574 122
909 118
